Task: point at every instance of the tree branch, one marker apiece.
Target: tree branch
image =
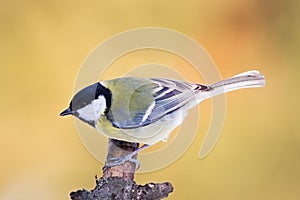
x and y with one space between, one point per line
118 182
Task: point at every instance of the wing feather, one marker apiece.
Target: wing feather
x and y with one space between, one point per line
166 95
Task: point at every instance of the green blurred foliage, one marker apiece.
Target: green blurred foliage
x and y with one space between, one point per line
43 43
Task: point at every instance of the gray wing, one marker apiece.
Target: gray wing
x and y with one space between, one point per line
168 96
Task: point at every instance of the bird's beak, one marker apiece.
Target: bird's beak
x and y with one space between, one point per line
68 111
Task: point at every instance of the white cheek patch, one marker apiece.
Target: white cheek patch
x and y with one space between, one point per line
99 106
93 111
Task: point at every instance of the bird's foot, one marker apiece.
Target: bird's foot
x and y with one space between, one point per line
121 160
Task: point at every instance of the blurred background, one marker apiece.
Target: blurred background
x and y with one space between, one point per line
43 43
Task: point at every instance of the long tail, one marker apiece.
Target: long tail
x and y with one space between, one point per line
249 79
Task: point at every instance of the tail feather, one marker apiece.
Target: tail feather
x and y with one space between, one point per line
249 79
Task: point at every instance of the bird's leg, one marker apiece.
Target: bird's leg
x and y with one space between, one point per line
129 157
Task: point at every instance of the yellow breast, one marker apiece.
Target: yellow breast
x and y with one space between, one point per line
150 134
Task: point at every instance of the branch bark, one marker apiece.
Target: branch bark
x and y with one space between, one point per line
118 182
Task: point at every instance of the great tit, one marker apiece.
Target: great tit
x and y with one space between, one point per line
146 110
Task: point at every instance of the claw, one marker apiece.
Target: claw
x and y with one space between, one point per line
119 161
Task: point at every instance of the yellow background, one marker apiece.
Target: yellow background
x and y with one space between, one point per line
43 43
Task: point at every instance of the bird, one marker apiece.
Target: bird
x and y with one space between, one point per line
146 110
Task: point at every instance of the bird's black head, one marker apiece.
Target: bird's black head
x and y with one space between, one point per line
89 103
